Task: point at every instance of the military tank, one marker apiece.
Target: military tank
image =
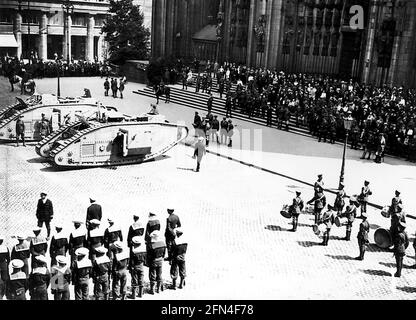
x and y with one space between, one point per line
36 109
113 143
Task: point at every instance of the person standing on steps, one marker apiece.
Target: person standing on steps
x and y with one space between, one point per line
210 102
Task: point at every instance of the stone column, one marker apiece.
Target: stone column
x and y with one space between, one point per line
250 38
370 41
90 39
43 35
18 33
67 38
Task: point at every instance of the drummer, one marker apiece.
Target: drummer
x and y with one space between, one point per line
295 209
395 202
339 200
320 201
328 218
397 216
350 213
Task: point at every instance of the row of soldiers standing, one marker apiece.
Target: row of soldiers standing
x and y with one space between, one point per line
95 254
326 218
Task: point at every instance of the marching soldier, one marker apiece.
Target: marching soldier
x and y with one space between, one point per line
363 236
39 280
94 211
395 202
319 203
397 216
339 200
328 219
155 253
172 222
17 284
401 242
81 272
363 197
136 266
95 237
135 230
178 259
38 246
59 244
4 267
21 251
77 239
296 209
152 225
101 268
350 214
63 276
119 271
319 184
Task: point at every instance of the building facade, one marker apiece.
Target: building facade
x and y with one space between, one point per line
314 36
47 28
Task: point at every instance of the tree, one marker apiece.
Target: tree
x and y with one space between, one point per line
126 35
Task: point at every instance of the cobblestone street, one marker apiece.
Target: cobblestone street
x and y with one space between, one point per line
240 246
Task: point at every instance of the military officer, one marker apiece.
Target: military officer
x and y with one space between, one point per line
339 199
152 225
21 251
39 279
62 276
38 246
44 212
172 222
81 272
319 184
319 203
296 209
77 239
95 237
59 244
17 284
328 219
136 265
363 197
363 236
350 213
178 259
156 250
4 267
135 230
94 211
119 271
101 268
401 242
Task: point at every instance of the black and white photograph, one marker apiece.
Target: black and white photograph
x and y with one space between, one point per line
208 150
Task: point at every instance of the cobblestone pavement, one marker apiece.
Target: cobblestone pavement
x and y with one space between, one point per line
240 247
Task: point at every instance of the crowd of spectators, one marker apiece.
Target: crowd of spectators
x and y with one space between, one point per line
383 116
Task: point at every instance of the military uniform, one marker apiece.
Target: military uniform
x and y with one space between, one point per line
401 242
178 260
339 201
135 230
4 267
155 253
119 272
39 280
363 236
152 225
296 209
77 239
101 268
319 203
17 284
138 256
20 131
350 213
363 197
172 222
328 219
95 239
21 251
81 272
38 247
59 246
62 276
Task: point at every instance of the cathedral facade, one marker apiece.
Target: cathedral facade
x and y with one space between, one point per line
368 40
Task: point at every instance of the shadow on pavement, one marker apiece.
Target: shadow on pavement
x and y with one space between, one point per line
372 247
336 238
305 225
393 265
275 228
340 257
37 160
377 272
308 244
407 289
185 169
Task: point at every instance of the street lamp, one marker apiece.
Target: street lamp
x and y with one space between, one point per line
68 7
347 126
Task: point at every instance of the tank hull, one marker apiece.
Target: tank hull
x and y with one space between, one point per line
113 144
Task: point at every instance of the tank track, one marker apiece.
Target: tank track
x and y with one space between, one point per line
41 143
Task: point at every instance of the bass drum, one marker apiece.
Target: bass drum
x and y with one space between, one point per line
285 212
382 238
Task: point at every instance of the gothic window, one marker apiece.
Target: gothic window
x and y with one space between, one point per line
316 42
334 43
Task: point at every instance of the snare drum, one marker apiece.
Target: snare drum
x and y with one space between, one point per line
382 238
319 229
385 212
285 212
341 221
309 209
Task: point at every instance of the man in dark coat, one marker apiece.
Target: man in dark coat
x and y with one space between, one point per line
44 212
172 222
363 236
20 131
401 242
152 225
94 211
296 209
4 267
